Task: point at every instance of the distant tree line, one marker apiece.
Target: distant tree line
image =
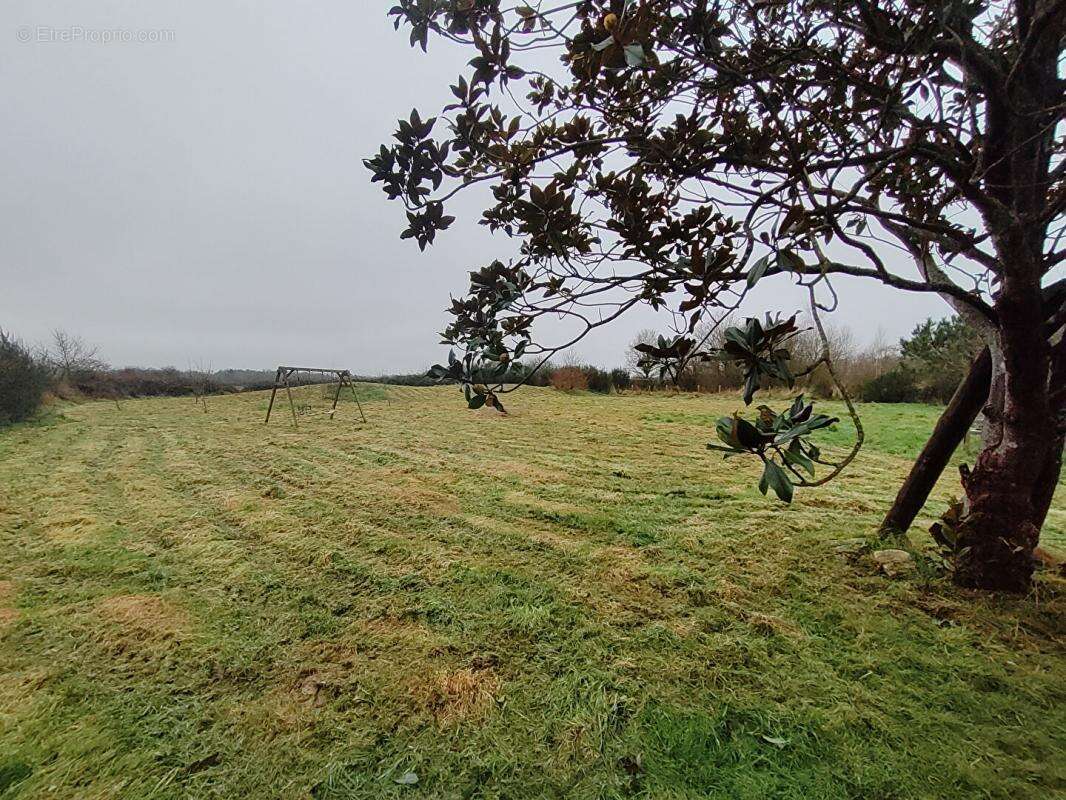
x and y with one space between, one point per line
927 366
931 364
69 368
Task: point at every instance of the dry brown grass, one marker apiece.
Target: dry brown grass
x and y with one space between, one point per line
457 696
144 616
8 615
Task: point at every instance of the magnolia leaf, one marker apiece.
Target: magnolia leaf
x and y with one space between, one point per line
802 429
751 385
724 428
786 259
758 269
774 477
746 433
795 456
794 216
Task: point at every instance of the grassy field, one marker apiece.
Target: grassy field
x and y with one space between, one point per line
576 600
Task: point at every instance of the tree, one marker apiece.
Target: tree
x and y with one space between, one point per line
637 360
71 356
940 354
680 151
806 349
947 343
718 374
199 377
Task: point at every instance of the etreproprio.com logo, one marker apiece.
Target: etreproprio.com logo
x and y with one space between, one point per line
77 34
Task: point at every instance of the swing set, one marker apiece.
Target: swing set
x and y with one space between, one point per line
282 381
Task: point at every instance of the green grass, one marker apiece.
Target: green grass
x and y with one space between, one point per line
576 600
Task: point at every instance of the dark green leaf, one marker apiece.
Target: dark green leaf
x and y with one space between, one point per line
774 477
758 269
746 433
795 456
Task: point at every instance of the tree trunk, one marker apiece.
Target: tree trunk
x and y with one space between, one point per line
1001 524
948 434
1000 530
959 416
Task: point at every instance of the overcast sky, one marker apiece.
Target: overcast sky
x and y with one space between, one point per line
200 197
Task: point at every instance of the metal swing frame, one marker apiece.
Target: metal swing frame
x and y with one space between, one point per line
281 381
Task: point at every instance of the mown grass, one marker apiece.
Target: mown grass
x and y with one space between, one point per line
575 600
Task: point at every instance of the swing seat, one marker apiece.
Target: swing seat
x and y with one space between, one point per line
330 411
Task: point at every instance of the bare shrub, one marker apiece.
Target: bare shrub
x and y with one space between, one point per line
855 366
820 383
569 379
870 363
71 357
